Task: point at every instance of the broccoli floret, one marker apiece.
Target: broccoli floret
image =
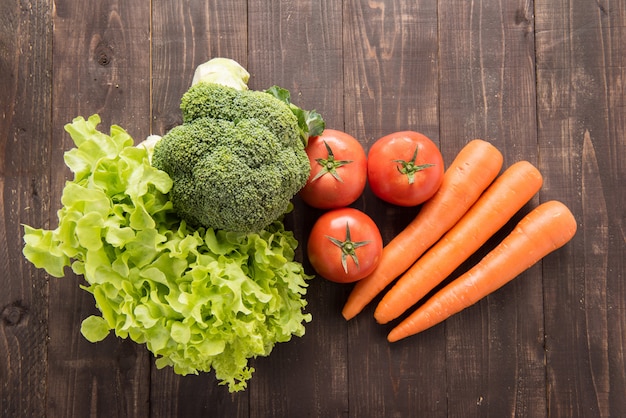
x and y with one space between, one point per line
236 161
234 105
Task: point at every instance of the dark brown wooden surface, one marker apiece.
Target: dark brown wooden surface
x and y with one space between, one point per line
544 81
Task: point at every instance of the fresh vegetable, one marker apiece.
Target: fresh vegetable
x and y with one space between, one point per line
148 144
503 199
228 72
224 71
338 170
471 172
199 299
236 161
545 229
344 245
405 168
310 122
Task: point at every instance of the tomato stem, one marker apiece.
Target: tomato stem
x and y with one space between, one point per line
330 165
348 248
411 167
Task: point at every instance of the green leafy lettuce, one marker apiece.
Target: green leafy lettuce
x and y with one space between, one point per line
199 299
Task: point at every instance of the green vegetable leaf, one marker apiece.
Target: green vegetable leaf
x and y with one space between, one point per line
199 299
223 71
94 328
330 165
310 122
348 248
409 168
43 251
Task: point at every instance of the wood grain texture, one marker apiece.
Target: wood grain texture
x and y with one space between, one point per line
580 88
543 80
487 85
184 35
25 142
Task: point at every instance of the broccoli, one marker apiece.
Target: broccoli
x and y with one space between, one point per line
237 159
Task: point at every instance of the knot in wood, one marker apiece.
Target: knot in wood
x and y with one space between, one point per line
103 53
13 314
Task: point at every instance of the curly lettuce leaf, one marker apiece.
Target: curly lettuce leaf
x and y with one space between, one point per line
199 299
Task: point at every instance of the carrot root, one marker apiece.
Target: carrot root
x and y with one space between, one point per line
471 172
545 229
498 204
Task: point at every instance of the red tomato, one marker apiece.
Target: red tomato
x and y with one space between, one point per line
405 168
345 245
338 170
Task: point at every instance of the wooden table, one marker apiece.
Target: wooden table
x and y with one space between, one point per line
543 81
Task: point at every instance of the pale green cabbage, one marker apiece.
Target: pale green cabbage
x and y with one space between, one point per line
224 71
199 299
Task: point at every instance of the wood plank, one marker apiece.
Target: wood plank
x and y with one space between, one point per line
580 73
494 361
100 65
391 84
301 50
184 35
551 343
25 132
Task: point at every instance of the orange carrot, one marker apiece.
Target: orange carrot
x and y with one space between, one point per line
545 229
471 172
503 199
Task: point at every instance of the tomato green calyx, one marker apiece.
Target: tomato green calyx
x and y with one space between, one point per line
348 248
410 167
330 165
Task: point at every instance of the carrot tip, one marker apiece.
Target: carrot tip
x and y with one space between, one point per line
393 337
348 314
381 319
